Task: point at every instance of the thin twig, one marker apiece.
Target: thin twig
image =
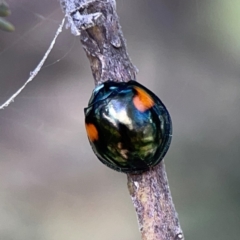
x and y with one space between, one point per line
105 46
151 196
34 73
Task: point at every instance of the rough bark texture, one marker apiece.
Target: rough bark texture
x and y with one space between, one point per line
103 42
151 196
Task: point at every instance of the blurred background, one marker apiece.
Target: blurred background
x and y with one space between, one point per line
52 187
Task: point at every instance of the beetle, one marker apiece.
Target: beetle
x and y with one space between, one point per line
128 126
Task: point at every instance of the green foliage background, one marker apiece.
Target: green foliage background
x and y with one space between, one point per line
4 12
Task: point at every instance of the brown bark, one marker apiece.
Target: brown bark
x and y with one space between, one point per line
105 47
151 196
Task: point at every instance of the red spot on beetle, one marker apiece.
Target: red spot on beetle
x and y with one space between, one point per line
142 100
91 132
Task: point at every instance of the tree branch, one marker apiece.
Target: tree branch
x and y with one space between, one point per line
151 196
105 46
103 43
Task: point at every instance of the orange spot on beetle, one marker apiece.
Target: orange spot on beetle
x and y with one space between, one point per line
91 132
142 101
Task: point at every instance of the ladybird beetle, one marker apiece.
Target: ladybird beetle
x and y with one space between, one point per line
128 126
